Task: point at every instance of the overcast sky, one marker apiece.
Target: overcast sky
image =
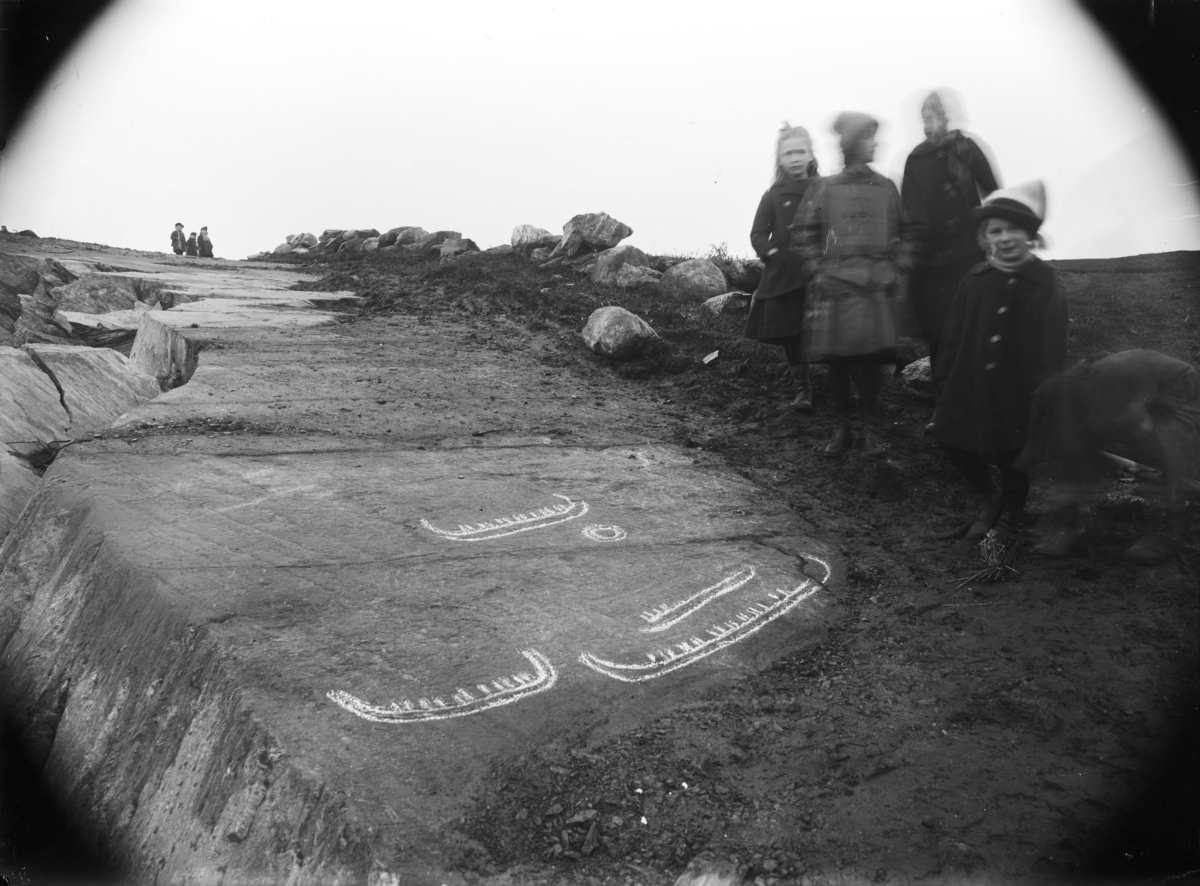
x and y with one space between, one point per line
260 119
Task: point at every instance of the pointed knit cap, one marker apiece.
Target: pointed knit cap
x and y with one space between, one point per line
1024 205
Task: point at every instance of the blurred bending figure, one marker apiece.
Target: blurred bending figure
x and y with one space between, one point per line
945 177
855 241
777 309
1139 404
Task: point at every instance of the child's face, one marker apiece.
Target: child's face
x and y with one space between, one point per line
934 125
795 154
1005 240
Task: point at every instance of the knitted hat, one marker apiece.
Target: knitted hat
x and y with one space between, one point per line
1024 205
852 126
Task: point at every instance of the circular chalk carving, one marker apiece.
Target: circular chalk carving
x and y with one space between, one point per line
596 532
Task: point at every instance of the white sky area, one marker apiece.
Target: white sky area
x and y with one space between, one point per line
262 119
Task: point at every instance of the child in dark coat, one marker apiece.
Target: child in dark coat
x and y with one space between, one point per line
178 240
191 248
204 243
1005 335
777 309
945 177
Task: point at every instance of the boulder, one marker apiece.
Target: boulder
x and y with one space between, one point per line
502 249
370 244
430 242
21 275
526 238
366 233
743 275
729 303
918 375
163 353
609 263
633 276
37 322
329 234
617 333
308 241
95 384
290 239
282 249
300 250
453 247
352 245
591 232
401 236
540 254
694 280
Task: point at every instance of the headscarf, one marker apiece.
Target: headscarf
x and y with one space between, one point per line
946 104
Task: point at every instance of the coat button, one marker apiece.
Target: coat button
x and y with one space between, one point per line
1002 309
989 366
995 338
1012 281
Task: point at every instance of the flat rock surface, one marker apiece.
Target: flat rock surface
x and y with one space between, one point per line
419 565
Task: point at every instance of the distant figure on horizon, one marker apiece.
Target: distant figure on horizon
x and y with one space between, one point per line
1006 333
777 308
855 241
204 243
191 248
945 178
178 241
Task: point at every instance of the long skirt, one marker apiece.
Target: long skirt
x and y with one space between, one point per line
842 320
775 318
931 292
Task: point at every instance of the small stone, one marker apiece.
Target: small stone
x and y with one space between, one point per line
591 232
729 303
609 263
918 375
632 277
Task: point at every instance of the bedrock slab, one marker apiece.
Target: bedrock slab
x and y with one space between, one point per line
291 650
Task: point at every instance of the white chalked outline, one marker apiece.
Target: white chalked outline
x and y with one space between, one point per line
502 526
720 635
504 690
596 532
720 589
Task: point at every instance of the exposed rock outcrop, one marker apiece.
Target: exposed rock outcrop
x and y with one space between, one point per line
164 353
633 276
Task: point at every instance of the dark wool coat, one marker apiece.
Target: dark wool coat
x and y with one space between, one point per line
1006 334
783 271
931 192
190 248
178 241
205 245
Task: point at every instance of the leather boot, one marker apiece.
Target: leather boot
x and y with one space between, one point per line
871 435
803 399
983 521
840 441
